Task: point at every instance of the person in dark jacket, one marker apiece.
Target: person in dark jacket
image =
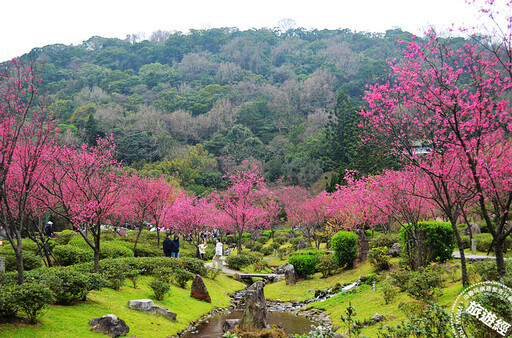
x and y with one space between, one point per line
167 246
175 247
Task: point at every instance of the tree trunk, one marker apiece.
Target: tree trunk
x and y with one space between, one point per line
137 238
460 245
498 252
97 250
19 262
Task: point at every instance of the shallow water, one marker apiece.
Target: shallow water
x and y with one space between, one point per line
290 323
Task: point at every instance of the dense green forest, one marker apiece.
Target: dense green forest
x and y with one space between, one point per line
196 105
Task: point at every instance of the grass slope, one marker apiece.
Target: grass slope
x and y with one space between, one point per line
72 321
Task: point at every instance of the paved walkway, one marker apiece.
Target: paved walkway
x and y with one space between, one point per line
471 257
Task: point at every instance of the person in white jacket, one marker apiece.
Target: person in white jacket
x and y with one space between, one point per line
217 262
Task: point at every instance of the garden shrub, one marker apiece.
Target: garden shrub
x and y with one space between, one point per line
327 265
262 239
381 240
423 284
182 276
257 247
159 288
389 293
281 252
344 244
70 254
275 246
267 233
466 241
194 265
32 299
114 250
280 239
8 304
266 251
379 258
436 239
65 236
485 243
238 262
144 250
304 264
30 261
246 235
114 271
69 285
295 240
163 274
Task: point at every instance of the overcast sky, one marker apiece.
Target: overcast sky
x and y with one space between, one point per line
36 23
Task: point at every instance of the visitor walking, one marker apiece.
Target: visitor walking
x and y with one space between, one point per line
167 246
175 247
217 262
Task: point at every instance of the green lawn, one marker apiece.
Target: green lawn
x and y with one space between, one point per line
72 321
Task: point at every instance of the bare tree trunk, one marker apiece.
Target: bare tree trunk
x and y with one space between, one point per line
460 245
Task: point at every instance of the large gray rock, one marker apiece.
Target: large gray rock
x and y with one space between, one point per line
395 250
199 291
290 275
255 313
475 229
302 245
377 318
147 305
110 325
144 305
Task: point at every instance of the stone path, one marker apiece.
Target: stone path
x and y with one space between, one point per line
471 257
228 271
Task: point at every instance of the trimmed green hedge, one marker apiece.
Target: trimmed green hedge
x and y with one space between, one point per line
304 264
344 244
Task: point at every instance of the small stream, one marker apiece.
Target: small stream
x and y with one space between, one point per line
289 316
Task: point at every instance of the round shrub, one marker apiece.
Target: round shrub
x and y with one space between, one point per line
262 239
65 236
344 244
436 240
295 240
243 260
257 247
381 240
145 250
30 261
194 265
327 265
379 258
32 298
182 276
266 250
8 304
275 245
485 243
70 254
159 288
304 264
279 239
114 250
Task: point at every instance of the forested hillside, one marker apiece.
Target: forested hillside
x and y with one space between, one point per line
195 105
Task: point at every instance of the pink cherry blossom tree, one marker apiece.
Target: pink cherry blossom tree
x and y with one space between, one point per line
453 103
240 205
84 186
25 140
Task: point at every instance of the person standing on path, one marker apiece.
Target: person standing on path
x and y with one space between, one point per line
175 247
167 246
218 254
202 249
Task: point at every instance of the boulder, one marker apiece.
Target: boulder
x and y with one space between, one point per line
110 325
475 229
255 313
199 291
377 318
144 305
302 245
290 275
147 305
230 324
395 250
164 312
363 246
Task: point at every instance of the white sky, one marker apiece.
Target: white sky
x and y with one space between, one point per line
35 23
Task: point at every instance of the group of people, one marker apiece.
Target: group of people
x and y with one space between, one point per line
172 249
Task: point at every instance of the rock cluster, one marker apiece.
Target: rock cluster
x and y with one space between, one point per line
110 325
147 305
